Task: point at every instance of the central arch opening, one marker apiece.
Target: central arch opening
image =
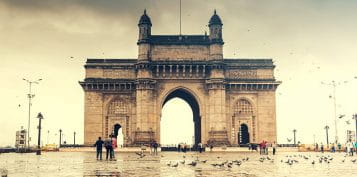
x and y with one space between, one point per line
180 121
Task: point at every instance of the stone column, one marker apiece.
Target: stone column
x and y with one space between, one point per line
93 117
218 130
266 116
145 105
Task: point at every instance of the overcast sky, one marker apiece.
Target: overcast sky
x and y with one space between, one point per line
310 41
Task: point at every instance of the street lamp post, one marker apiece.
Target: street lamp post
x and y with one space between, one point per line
30 96
60 136
334 84
40 117
294 131
326 128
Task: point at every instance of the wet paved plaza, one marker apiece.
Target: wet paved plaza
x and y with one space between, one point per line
216 164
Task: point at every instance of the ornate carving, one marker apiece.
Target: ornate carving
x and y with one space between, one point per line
243 74
118 73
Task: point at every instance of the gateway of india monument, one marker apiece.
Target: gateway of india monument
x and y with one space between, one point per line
232 100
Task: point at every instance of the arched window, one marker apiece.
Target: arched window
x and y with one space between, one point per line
118 107
243 107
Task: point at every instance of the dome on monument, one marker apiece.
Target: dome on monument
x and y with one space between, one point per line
215 20
145 19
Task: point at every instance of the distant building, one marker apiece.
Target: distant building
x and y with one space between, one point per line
21 139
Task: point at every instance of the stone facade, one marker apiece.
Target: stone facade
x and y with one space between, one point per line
233 100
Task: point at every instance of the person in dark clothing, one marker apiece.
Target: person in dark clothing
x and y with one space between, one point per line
200 147
155 145
99 145
108 147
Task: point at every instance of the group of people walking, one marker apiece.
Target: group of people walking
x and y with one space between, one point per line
349 147
110 144
153 147
264 147
183 147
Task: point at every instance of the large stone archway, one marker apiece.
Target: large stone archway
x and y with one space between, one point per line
193 103
224 93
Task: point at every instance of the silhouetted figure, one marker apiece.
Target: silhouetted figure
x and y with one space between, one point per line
184 148
333 148
339 147
114 145
200 147
155 145
316 147
99 146
349 146
108 147
274 147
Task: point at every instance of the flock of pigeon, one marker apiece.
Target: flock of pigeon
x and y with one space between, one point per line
320 159
290 160
227 164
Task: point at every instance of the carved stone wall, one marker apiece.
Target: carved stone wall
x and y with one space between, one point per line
119 73
179 52
250 74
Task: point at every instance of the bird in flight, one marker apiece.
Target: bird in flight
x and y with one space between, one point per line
341 116
288 139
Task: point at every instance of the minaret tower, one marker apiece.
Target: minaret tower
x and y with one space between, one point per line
215 35
145 86
216 85
144 36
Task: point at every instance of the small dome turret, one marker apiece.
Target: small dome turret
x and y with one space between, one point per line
145 19
215 20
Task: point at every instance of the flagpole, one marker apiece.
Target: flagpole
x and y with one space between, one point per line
180 17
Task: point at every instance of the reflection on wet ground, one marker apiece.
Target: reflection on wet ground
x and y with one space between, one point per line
180 164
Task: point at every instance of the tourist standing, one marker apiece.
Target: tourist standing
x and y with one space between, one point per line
99 146
349 146
108 147
156 145
266 150
333 148
185 148
114 145
317 147
322 148
200 147
274 147
339 147
261 148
